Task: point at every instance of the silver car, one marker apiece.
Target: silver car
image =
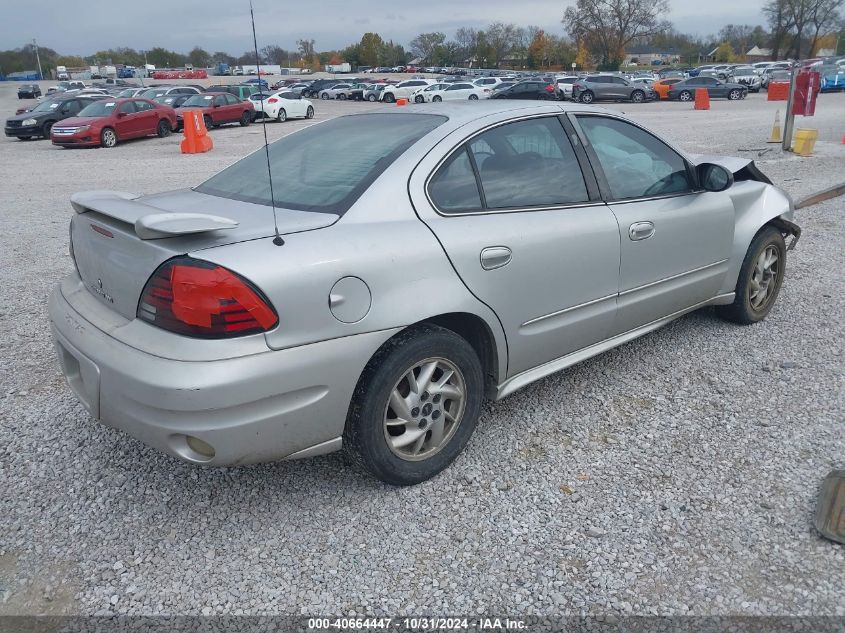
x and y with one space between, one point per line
432 259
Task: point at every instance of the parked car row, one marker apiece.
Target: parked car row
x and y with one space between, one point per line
85 118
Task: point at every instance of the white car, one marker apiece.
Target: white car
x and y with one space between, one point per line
461 91
423 95
488 82
282 106
563 86
403 90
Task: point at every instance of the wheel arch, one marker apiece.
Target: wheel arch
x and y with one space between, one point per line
757 206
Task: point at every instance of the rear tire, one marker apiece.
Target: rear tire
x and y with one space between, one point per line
282 116
208 122
685 95
760 279
309 113
324 96
246 118
638 96
735 95
447 404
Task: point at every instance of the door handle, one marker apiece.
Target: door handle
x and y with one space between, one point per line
641 231
494 257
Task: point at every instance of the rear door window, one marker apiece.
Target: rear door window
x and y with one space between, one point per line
454 188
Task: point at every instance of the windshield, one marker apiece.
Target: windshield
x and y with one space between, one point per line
46 106
98 108
199 101
153 92
325 167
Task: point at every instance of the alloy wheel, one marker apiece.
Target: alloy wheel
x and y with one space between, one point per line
424 410
763 283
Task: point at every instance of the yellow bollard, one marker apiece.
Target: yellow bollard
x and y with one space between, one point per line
805 140
775 138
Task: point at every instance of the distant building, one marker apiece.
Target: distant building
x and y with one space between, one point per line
758 54
649 56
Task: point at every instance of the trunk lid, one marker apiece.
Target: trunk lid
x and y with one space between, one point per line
113 260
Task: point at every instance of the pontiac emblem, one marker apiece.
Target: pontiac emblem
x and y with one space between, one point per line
98 289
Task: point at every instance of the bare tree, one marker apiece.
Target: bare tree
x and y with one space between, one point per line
802 20
608 26
306 48
502 39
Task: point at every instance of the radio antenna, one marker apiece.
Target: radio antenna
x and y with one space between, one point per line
278 241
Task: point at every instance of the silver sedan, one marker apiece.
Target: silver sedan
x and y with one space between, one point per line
435 257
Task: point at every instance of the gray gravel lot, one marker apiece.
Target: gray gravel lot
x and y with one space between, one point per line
676 474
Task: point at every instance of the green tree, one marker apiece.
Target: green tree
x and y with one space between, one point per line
725 53
225 58
199 57
424 45
371 49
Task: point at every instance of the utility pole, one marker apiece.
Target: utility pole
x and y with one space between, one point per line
38 59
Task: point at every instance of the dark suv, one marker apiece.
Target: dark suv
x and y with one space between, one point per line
318 86
29 91
610 88
39 121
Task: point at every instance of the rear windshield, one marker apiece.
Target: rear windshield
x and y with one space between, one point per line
98 108
325 167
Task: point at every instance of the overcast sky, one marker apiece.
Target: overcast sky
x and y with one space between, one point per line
84 26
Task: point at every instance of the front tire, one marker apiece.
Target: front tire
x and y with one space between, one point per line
390 97
46 129
309 113
371 98
760 279
587 97
108 138
415 405
473 97
209 123
437 98
419 99
638 96
324 96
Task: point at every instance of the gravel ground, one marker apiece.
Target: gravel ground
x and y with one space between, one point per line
674 475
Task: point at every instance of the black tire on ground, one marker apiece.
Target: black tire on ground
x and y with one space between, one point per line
46 128
365 437
638 96
324 96
742 310
342 96
246 118
437 98
390 97
685 95
372 98
309 113
587 97
209 123
282 115
735 94
419 99
163 128
24 138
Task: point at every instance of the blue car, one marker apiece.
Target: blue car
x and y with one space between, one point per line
833 77
258 82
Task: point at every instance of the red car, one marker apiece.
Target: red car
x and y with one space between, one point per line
218 108
105 122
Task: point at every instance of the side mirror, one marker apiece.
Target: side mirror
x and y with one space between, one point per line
216 105
714 177
120 115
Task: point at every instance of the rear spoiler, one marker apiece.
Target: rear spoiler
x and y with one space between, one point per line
149 222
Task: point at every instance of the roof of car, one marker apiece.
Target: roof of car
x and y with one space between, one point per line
460 112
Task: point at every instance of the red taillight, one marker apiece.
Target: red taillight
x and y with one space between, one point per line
549 88
272 100
200 299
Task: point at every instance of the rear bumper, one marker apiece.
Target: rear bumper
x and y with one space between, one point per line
256 408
